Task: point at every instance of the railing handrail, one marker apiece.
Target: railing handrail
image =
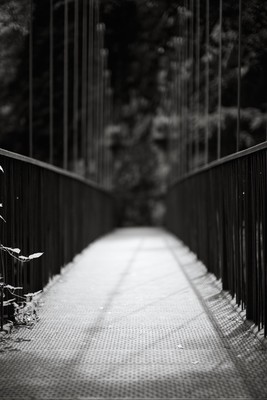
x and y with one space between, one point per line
53 168
223 160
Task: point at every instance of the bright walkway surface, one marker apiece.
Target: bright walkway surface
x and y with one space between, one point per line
135 317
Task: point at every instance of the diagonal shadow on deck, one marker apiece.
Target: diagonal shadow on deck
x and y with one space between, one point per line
126 322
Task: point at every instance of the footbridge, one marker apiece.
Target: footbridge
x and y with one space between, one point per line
177 311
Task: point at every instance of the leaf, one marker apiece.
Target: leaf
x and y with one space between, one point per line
2 218
14 250
35 255
1 169
180 346
1 205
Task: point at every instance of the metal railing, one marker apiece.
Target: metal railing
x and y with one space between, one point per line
220 213
50 210
55 106
216 103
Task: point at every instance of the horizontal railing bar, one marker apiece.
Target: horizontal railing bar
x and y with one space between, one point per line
52 168
223 160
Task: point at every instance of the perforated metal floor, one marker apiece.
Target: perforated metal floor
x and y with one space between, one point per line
135 317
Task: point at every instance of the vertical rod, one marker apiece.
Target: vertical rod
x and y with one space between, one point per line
84 84
76 84
51 85
176 111
31 80
220 86
186 86
111 120
97 100
101 109
197 77
207 84
90 85
105 116
239 76
191 82
179 98
181 91
66 84
108 123
184 93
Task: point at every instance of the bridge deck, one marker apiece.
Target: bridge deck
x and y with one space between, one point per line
134 317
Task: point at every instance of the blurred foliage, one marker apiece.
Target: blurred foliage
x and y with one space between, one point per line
143 37
14 22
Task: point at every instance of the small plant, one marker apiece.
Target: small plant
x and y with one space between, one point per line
24 306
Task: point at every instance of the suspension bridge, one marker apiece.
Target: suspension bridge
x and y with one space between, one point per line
178 311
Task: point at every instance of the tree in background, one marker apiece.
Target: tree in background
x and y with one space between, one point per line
14 23
143 39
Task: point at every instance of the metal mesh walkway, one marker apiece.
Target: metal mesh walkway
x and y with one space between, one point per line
127 320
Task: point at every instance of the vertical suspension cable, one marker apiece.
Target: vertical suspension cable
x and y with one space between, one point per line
179 98
181 90
106 121
51 84
105 85
101 90
184 92
219 139
90 127
176 111
66 85
96 78
98 93
105 88
180 60
191 81
109 160
84 85
239 76
111 121
75 83
31 80
186 87
207 85
197 138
